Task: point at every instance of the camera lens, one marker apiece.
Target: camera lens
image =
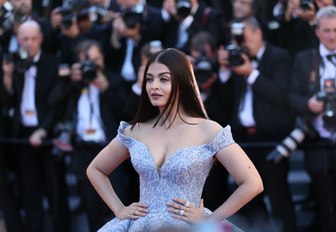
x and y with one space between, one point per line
89 70
203 69
132 15
235 55
305 5
183 8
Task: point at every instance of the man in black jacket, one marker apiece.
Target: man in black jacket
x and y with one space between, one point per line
27 83
314 74
136 24
185 18
261 114
93 98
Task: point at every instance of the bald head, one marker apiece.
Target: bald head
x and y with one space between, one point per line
30 37
29 25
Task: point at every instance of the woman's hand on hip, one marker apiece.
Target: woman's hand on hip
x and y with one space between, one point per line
133 211
186 211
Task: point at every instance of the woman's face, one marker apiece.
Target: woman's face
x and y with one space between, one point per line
158 84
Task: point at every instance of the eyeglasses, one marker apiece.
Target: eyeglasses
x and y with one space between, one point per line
242 2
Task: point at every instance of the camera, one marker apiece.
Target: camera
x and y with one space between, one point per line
93 14
203 69
183 8
292 141
132 15
328 96
67 16
20 59
237 32
235 55
6 17
88 70
305 4
234 49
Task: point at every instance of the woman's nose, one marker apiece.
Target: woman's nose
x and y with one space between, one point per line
155 84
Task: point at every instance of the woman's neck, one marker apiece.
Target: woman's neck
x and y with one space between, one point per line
175 117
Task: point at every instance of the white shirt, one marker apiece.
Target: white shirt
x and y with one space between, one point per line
89 123
127 70
246 104
183 35
28 110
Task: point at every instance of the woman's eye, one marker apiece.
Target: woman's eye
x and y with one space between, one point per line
149 79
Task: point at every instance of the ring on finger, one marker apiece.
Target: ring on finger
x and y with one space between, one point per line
132 212
187 204
181 212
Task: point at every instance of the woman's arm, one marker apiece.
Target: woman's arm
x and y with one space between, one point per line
101 167
249 182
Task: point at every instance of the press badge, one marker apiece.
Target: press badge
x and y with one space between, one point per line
90 131
29 117
91 134
30 113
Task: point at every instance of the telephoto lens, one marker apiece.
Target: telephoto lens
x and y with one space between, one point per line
291 142
287 146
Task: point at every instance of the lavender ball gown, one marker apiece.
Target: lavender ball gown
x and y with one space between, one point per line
183 175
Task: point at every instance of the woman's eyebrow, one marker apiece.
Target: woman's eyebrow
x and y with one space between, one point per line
160 74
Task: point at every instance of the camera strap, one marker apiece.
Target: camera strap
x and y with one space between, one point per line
91 128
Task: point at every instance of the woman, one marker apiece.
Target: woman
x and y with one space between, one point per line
172 145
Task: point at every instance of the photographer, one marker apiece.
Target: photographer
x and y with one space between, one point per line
91 99
13 13
295 24
215 93
188 17
138 23
261 114
314 73
26 90
71 25
217 99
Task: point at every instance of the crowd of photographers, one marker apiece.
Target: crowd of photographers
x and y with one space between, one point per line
72 70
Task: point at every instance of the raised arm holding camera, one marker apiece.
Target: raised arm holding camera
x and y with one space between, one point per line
294 20
72 24
312 99
188 17
137 24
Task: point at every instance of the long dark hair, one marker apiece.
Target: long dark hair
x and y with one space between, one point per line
184 88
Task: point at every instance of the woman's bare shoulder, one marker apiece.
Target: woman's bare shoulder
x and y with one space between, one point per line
209 126
137 129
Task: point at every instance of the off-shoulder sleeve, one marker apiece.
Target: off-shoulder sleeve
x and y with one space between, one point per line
121 137
222 139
